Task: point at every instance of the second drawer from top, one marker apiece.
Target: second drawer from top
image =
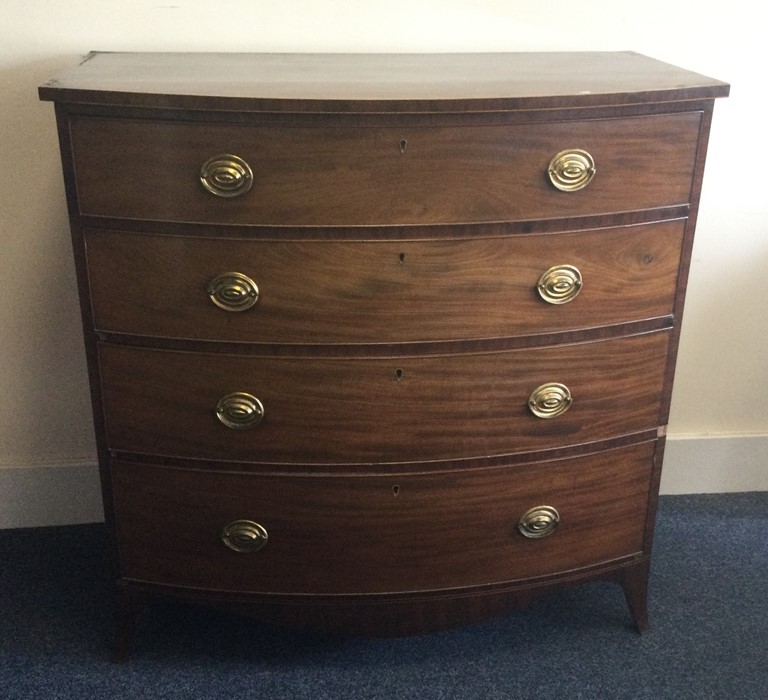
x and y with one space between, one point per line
318 292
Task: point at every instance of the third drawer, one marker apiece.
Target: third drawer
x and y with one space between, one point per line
373 410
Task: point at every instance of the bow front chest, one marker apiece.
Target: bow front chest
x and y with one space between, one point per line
380 344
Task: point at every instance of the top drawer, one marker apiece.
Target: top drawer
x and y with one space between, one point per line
346 176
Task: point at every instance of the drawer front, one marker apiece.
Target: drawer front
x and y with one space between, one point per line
147 169
320 291
337 410
378 534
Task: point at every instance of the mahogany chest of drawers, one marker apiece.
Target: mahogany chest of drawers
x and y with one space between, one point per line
380 344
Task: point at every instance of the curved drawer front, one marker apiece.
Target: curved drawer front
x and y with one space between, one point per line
346 176
378 534
335 410
319 291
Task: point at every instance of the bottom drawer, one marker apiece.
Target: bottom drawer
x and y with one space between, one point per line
378 533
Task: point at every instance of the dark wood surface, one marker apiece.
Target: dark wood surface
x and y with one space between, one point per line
370 82
407 291
335 410
387 614
355 536
400 217
310 176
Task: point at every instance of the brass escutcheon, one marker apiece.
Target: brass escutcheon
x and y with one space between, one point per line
244 536
550 400
560 284
226 175
233 291
239 410
538 522
571 170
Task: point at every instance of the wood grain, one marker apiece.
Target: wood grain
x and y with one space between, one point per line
322 291
336 410
400 217
353 535
341 176
369 82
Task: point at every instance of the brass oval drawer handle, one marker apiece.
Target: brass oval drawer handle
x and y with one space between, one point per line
550 400
571 170
244 536
239 410
233 291
560 284
226 175
538 522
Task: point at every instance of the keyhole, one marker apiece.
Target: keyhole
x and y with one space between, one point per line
398 374
403 146
395 490
401 257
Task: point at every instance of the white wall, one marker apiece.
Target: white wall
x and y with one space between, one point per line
721 394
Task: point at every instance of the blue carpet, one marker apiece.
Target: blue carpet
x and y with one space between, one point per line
708 638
